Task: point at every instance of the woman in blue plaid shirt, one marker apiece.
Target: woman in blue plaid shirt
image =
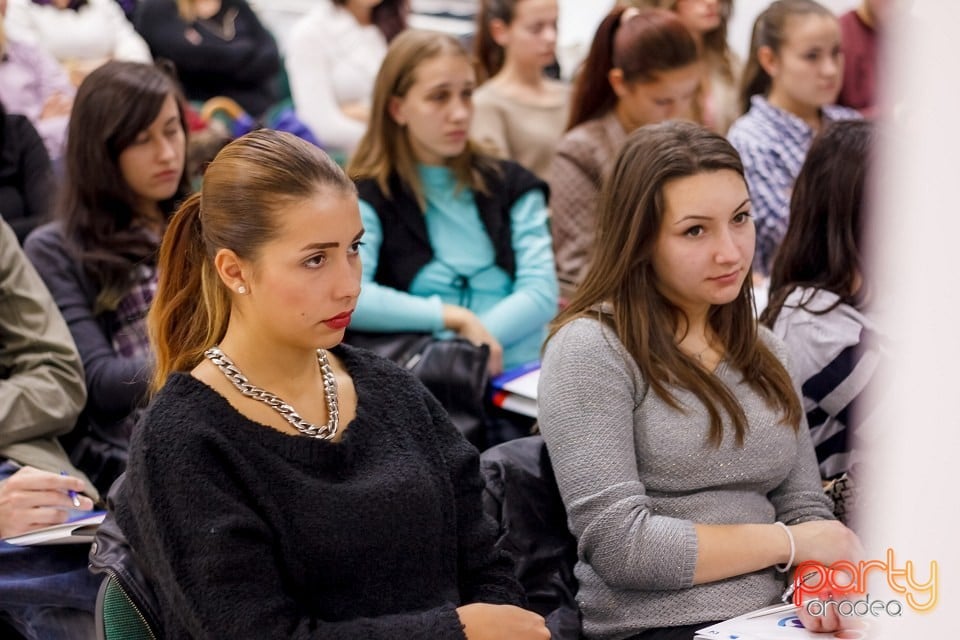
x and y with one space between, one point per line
791 81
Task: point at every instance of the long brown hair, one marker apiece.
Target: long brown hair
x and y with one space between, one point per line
769 30
642 44
390 16
249 181
824 245
716 49
489 54
385 147
621 277
114 104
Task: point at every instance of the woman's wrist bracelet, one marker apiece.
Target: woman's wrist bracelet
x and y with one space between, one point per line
793 549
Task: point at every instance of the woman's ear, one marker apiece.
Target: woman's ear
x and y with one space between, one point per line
500 32
768 60
395 107
617 83
232 270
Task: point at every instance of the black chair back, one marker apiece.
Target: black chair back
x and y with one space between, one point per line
521 495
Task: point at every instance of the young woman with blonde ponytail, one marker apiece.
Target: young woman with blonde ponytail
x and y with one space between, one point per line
281 481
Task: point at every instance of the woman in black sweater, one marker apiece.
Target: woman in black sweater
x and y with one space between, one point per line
26 176
220 48
356 515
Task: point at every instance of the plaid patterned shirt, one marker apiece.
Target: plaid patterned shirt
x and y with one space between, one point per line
130 339
773 145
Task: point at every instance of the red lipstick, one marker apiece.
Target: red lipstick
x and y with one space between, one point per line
339 321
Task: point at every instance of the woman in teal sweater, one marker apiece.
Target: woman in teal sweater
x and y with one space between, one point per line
455 240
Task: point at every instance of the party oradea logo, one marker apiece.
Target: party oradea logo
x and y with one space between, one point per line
866 589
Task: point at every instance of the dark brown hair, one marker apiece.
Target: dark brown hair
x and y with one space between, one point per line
113 105
621 276
390 16
769 30
715 46
246 185
490 55
641 44
823 247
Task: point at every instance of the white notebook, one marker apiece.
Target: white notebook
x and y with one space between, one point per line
773 623
77 531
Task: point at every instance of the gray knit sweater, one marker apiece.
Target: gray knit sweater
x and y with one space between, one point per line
636 474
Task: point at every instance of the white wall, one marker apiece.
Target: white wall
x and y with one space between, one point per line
914 503
578 21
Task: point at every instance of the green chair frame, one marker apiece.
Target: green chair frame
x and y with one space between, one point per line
117 615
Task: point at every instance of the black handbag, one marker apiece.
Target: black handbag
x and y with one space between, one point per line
454 370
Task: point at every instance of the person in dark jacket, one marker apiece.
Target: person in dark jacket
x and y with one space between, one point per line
26 176
220 48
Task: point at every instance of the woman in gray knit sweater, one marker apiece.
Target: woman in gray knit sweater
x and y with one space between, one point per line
676 433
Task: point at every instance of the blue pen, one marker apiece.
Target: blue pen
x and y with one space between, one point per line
73 494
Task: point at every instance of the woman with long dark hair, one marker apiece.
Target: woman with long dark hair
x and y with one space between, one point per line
820 291
674 428
124 175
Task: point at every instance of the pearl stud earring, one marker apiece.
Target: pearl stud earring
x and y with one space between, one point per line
241 289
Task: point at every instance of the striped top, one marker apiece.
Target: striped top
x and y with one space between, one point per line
835 354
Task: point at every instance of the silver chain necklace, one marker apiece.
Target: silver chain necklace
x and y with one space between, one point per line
234 375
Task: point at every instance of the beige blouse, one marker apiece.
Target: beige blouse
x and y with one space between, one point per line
524 133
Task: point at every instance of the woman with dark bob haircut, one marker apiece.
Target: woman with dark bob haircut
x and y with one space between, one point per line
124 174
674 428
819 291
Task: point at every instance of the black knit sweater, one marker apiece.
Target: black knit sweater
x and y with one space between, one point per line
247 532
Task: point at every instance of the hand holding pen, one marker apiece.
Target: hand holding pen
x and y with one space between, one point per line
74 496
31 499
